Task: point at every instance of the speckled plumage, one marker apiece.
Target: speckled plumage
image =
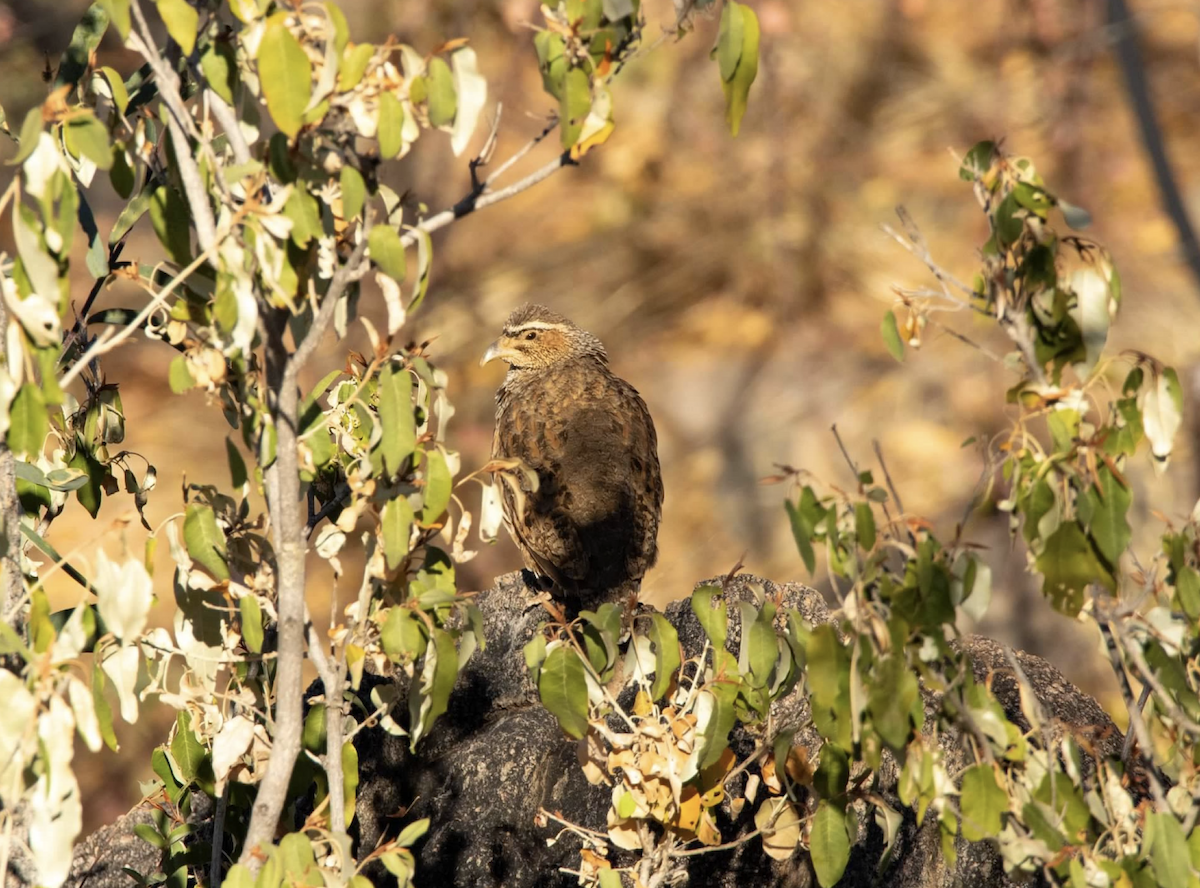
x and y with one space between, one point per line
592 525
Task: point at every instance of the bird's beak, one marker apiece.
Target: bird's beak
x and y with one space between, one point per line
493 351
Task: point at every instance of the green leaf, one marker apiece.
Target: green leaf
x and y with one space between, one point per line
438 486
977 162
1167 848
552 61
354 192
302 209
252 622
103 709
237 465
828 844
354 64
178 375
413 831
219 64
96 258
286 75
758 649
891 336
28 425
150 835
562 687
401 635
391 124
91 493
983 801
238 876
729 39
186 748
737 88
574 105
1069 565
804 519
387 252
118 12
133 211
1110 501
204 540
666 654
443 103
171 220
397 528
116 86
1187 592
182 22
715 731
396 417
428 697
84 40
832 774
864 526
894 692
713 620
31 131
349 779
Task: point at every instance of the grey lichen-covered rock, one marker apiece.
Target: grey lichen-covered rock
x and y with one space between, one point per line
497 757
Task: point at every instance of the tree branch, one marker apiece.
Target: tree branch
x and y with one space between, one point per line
1135 715
177 120
287 524
1129 57
476 201
13 581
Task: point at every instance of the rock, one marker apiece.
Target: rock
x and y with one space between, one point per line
497 757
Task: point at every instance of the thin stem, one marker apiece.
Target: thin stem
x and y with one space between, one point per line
1135 715
473 202
13 580
179 124
106 343
218 839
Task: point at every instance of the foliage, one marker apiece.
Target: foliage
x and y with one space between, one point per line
251 144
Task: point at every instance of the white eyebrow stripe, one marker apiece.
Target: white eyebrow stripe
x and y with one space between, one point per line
533 325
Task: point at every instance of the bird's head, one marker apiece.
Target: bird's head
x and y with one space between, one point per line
534 338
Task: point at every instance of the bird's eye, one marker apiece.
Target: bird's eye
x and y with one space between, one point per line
532 334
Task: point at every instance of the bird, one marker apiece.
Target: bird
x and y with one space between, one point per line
589 531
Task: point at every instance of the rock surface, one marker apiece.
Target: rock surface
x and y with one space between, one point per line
497 757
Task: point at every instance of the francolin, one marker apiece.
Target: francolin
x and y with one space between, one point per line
590 528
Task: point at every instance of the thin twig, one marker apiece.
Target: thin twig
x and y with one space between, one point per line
218 838
472 202
845 453
1135 715
180 125
529 146
1127 746
887 476
106 343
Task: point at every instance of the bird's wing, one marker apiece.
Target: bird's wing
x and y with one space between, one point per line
546 536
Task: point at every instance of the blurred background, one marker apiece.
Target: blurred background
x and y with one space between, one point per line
738 283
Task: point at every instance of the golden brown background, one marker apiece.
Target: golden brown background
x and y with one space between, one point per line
739 283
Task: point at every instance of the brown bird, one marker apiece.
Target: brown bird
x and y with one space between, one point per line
590 528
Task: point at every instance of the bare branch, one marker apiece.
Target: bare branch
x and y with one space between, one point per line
13 582
287 524
1135 714
473 202
180 125
113 338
